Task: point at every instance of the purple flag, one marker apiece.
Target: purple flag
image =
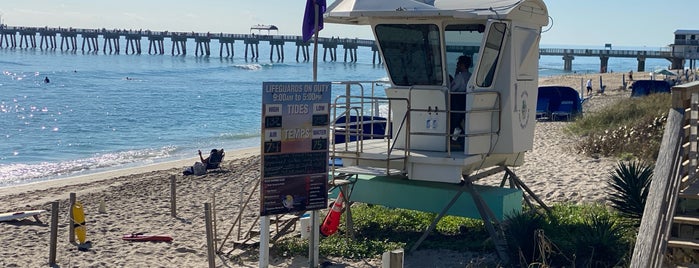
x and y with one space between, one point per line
310 16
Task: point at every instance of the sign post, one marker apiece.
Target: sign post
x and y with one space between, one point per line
295 139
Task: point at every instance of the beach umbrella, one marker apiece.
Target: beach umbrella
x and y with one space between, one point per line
665 73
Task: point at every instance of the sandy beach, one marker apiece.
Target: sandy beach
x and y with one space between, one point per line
138 201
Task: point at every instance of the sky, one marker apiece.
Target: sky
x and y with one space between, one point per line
587 23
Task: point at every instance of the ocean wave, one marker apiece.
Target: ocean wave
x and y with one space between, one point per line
19 173
250 66
239 136
259 66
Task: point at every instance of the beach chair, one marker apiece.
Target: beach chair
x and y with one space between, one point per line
542 109
215 158
565 110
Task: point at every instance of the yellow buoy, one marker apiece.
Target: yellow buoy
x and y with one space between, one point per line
79 222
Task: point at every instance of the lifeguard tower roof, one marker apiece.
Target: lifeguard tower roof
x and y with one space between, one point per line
359 11
681 31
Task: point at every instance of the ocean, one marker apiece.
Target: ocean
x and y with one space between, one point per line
104 111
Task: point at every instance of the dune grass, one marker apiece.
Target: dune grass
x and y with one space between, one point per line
630 129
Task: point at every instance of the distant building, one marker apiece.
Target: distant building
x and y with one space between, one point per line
686 44
259 28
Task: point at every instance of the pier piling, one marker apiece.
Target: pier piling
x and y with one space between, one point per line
279 46
155 45
330 47
69 39
202 47
351 49
253 44
133 41
304 48
226 42
179 42
91 41
111 40
47 40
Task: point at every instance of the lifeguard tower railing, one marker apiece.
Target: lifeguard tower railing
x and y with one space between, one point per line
363 148
366 117
674 178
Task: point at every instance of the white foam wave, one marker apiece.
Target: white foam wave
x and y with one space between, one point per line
251 66
13 174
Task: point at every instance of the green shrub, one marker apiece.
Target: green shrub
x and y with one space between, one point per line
629 184
600 243
520 232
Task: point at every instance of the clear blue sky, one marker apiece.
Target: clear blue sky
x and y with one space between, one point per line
583 22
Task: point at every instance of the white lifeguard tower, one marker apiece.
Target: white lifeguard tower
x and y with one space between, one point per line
420 161
420 44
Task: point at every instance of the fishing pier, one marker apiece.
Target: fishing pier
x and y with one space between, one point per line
112 40
26 37
568 55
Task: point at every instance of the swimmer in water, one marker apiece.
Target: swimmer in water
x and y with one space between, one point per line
46 80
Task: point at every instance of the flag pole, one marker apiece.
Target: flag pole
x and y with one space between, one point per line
314 239
315 41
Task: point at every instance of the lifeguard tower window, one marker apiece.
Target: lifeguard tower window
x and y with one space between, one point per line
411 53
491 53
462 39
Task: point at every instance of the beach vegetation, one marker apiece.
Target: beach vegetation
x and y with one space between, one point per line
521 232
629 184
619 129
378 229
571 235
589 235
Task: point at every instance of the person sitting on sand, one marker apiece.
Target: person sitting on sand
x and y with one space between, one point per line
211 162
214 159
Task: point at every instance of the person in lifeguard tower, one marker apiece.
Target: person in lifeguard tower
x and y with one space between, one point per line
462 75
458 101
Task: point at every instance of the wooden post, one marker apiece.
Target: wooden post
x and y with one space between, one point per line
71 226
173 199
213 219
392 259
54 233
264 242
209 236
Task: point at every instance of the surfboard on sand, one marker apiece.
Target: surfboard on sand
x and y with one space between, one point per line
147 238
21 214
79 222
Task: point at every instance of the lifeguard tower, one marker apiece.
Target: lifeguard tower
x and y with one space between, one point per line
431 140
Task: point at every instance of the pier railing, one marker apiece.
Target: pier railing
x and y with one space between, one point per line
664 54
